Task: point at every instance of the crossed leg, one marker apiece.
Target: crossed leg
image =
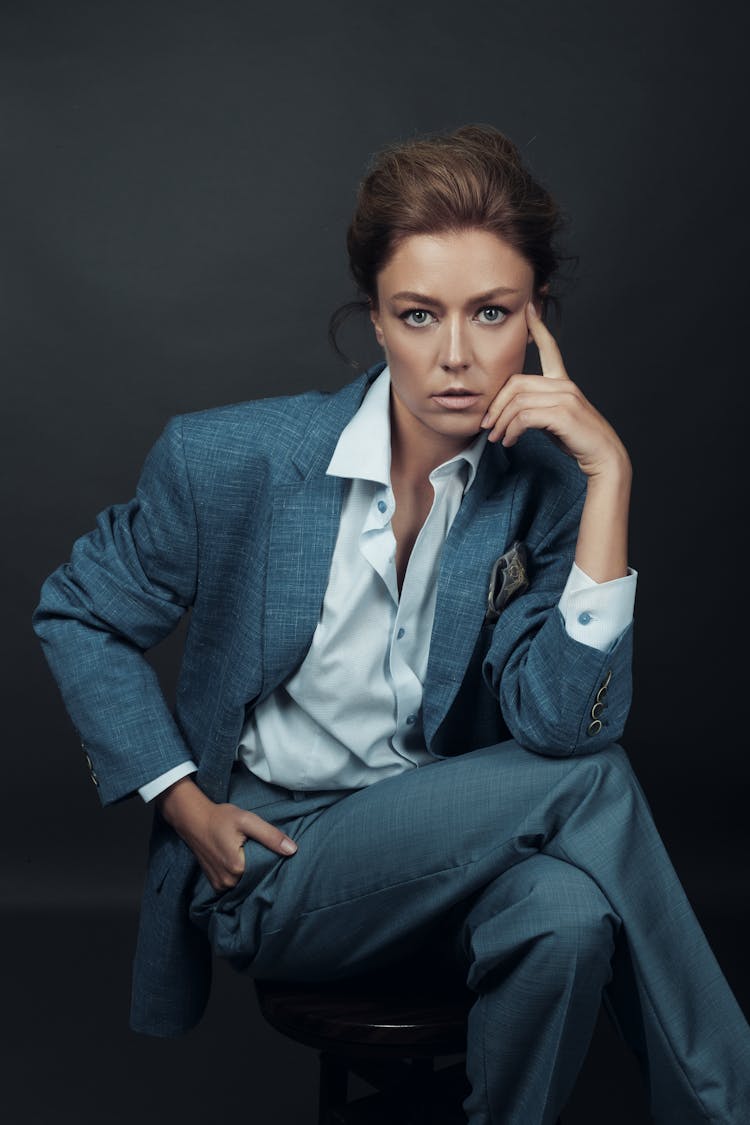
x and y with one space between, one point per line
553 858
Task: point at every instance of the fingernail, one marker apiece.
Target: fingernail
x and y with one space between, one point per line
532 306
288 847
485 421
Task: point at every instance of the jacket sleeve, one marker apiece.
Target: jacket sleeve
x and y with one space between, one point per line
128 583
557 695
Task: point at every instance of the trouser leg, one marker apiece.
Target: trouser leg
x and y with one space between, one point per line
378 867
537 944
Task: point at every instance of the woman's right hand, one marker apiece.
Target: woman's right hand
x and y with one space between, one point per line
216 833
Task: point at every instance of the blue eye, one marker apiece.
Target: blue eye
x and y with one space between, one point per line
420 317
498 314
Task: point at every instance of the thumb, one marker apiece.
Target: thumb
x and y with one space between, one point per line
267 834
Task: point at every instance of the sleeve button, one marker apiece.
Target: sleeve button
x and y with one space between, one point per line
92 771
594 727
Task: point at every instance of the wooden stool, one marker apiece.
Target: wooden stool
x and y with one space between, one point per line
387 1028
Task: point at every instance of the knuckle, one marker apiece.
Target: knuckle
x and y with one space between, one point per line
273 838
271 832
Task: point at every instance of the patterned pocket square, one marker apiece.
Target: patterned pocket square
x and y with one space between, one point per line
508 578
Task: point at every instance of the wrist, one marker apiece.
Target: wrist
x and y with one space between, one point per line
614 475
602 547
181 803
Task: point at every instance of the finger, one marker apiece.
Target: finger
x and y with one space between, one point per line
512 386
266 834
549 353
226 862
547 399
530 418
222 880
223 873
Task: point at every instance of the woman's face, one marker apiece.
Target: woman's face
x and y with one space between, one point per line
451 317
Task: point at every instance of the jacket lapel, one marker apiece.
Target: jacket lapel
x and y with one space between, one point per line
477 537
304 525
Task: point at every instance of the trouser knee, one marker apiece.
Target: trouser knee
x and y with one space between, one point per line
546 906
573 916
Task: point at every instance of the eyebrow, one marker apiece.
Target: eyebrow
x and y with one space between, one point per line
423 299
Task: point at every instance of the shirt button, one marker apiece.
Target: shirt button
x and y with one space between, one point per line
584 618
411 720
400 634
382 506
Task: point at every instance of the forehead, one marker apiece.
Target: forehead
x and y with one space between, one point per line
454 261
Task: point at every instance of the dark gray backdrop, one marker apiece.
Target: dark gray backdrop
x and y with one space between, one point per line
177 179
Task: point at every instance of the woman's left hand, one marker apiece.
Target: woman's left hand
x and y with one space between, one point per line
553 402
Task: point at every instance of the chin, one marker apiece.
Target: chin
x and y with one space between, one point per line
458 427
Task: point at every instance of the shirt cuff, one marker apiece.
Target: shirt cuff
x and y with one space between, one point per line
153 788
597 613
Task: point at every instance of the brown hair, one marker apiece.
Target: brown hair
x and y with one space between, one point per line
473 177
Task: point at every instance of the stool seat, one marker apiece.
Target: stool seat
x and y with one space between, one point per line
385 1028
388 1012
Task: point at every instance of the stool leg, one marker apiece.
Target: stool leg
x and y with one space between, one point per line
422 1071
332 1089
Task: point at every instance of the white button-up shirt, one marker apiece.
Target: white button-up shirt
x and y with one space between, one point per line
351 714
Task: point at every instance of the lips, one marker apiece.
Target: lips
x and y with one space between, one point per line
456 398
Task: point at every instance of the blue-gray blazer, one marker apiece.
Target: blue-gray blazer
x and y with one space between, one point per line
235 520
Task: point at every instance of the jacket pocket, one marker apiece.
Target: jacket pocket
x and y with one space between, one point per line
160 864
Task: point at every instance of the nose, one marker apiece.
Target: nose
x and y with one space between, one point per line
455 352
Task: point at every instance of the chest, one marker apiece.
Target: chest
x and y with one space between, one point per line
412 509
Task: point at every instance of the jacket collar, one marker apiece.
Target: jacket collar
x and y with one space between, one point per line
327 422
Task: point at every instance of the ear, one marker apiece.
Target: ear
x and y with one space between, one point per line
375 318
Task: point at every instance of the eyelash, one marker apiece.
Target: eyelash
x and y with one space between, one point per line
408 312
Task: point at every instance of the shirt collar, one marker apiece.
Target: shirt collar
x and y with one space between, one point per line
363 451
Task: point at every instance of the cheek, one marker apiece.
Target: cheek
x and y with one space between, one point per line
506 353
408 355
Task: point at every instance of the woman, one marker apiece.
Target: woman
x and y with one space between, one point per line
407 666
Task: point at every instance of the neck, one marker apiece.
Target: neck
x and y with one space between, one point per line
417 450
